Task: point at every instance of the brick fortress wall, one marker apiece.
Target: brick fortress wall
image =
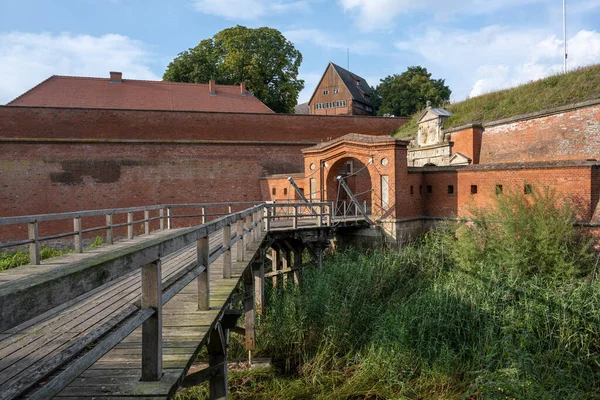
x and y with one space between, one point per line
58 159
565 133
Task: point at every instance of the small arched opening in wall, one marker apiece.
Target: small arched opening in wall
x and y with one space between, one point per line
357 176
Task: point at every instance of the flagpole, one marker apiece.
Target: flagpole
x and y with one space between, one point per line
565 33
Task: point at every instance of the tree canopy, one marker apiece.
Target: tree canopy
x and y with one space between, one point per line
403 95
262 58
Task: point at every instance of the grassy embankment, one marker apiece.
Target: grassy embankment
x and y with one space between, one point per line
576 86
16 258
494 311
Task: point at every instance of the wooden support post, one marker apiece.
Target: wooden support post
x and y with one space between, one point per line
147 222
258 228
78 238
274 264
34 248
250 231
328 215
287 263
203 215
249 313
227 253
152 327
365 206
239 227
260 215
217 360
295 218
202 252
169 218
230 209
320 215
297 263
267 218
129 225
259 288
109 231
161 215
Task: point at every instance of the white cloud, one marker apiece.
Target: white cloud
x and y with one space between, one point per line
26 59
380 14
497 57
583 49
320 38
248 9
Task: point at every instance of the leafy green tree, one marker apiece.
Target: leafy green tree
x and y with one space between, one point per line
262 58
403 95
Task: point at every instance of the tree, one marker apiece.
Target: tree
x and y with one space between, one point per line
262 58
403 95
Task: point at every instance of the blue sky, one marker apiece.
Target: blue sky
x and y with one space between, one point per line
476 45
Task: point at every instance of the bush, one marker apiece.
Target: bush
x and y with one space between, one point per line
501 308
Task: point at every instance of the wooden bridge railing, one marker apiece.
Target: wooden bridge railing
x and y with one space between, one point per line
315 213
47 291
163 213
148 311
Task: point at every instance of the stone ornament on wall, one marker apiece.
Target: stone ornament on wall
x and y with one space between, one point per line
432 145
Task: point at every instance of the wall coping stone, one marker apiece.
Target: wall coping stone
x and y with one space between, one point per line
527 116
512 166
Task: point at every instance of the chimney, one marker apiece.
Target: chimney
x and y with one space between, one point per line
243 88
116 77
211 87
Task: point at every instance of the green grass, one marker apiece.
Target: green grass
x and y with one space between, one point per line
486 310
576 86
16 258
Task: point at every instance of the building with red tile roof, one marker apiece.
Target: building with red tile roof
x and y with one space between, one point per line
118 93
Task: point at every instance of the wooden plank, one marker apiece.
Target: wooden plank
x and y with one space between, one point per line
227 253
24 381
58 383
204 276
152 327
176 336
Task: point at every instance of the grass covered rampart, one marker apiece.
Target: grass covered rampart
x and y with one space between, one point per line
507 307
576 86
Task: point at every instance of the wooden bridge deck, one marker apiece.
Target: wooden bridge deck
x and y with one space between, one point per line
90 345
185 329
29 351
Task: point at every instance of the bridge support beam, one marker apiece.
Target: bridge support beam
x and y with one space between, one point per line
286 262
202 254
227 254
298 250
217 362
152 327
275 260
250 334
240 243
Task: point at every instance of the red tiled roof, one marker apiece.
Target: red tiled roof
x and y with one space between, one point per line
82 92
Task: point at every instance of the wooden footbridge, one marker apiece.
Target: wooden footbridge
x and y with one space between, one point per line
127 319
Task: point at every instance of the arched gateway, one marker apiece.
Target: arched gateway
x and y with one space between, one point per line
369 167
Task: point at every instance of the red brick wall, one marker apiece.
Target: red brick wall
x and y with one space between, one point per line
574 183
40 122
284 191
568 135
468 142
37 178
